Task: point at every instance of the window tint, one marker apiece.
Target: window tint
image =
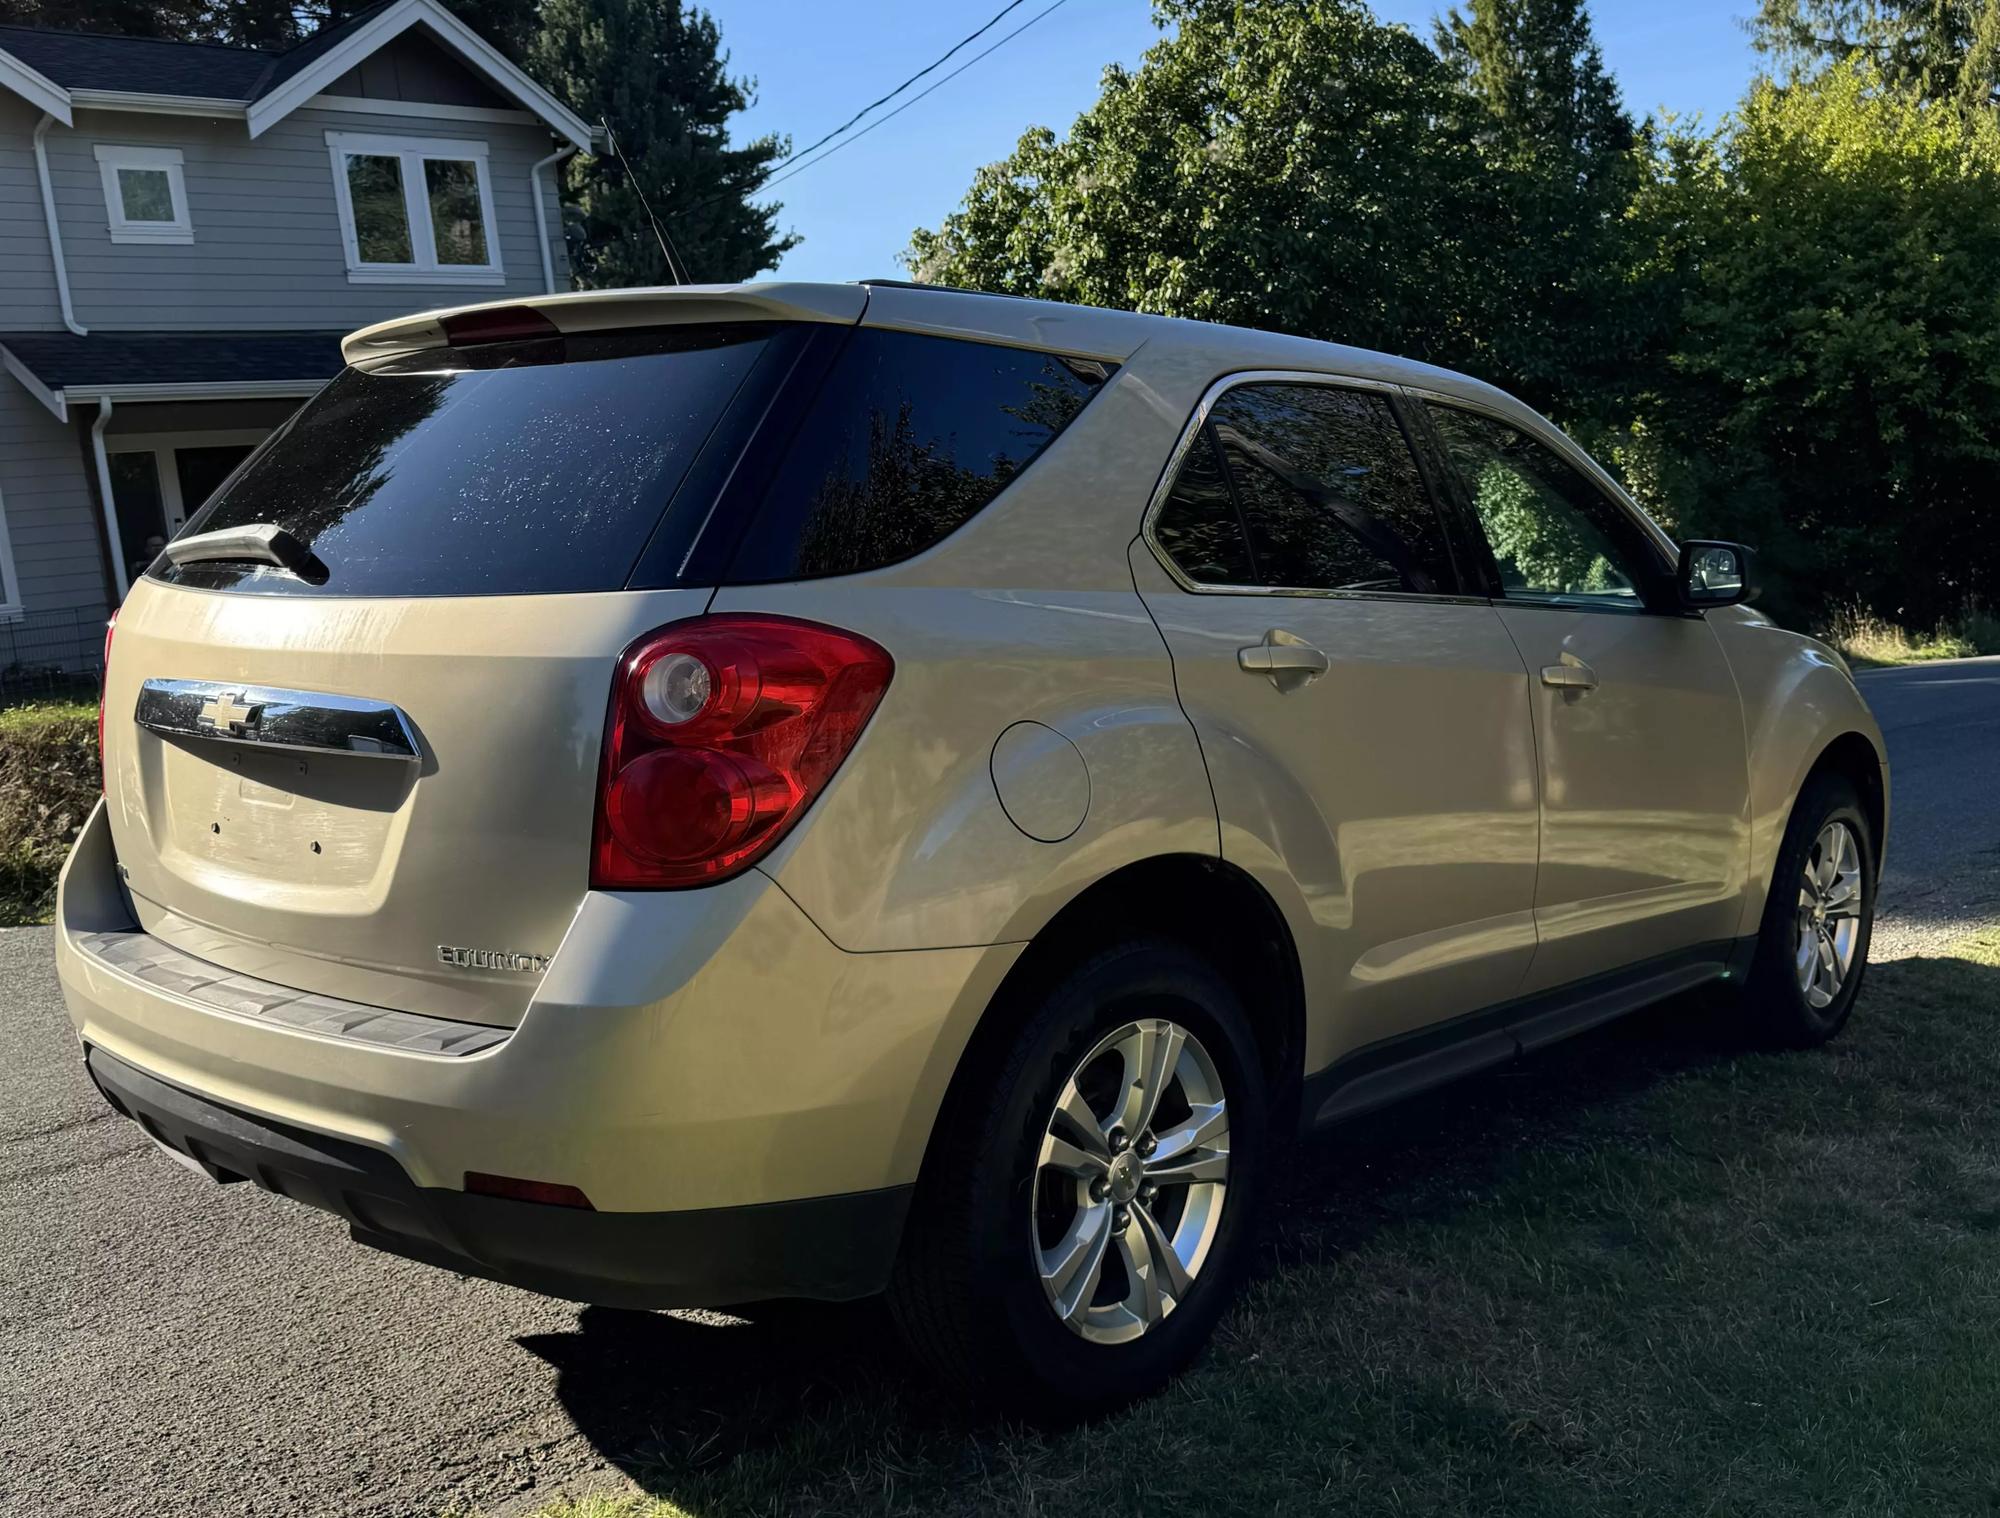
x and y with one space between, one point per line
1329 490
908 437
1198 525
1553 533
508 468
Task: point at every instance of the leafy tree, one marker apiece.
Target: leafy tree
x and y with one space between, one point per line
1942 49
655 70
1558 148
1273 163
1831 394
124 18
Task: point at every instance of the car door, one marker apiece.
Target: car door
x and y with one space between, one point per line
1365 723
1639 729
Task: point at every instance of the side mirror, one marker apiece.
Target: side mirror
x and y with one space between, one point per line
1715 574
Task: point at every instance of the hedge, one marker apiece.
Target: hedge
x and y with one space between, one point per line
49 781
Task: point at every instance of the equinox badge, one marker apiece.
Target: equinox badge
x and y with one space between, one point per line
490 959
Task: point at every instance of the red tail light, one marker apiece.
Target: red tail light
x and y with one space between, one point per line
722 731
103 685
497 324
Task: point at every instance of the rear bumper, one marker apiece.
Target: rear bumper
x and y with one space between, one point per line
832 1248
690 1061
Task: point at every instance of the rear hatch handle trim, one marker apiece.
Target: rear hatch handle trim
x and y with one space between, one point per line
297 720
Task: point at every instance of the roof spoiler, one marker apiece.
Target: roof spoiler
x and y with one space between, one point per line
607 310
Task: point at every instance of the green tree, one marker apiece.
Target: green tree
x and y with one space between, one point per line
1298 166
1559 152
1831 394
125 18
655 70
1942 49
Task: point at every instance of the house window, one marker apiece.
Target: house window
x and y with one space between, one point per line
145 194
415 210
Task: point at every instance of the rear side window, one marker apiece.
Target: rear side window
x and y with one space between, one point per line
1199 526
508 468
1329 490
908 437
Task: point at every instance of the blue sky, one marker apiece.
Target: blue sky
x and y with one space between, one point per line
816 63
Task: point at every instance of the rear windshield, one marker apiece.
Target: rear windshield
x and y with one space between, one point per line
509 468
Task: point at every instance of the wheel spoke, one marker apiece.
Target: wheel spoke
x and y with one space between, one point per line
1058 1153
1192 1163
1142 1274
1151 1055
1071 1271
1074 1112
1169 1272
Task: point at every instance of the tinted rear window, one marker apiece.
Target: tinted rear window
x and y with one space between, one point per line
510 468
906 439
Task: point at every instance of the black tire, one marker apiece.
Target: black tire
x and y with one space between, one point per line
967 1295
1780 1012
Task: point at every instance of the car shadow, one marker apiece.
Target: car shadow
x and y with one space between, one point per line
688 1403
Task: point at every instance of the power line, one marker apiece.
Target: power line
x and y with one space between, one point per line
935 62
775 178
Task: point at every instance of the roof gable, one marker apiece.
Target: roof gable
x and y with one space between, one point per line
50 68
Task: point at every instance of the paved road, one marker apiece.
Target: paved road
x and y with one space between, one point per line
167 1346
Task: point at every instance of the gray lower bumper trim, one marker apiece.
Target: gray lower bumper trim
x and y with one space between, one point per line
158 963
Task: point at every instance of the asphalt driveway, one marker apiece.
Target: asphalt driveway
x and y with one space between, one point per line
167 1346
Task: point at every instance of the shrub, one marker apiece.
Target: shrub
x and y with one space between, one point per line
49 781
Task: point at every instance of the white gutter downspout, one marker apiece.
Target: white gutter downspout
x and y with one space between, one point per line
541 214
55 233
104 491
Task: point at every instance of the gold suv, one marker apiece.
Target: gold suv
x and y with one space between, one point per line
698 796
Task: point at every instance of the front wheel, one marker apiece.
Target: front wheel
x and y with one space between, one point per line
1813 946
1087 1202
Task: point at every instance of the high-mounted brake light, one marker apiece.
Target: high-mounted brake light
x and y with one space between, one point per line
497 324
103 685
721 732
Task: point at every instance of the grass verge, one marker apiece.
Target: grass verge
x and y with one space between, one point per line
48 783
1645 1273
1868 641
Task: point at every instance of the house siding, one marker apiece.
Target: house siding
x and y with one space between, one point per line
51 511
415 68
27 272
267 250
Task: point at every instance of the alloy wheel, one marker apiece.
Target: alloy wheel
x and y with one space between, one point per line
1829 916
1130 1181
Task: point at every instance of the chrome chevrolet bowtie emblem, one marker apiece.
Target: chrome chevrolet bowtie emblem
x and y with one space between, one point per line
226 714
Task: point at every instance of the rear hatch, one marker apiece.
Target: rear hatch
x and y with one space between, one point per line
370 771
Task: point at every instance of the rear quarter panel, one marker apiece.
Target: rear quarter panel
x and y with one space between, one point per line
1026 614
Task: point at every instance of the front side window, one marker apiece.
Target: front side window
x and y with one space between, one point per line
1298 486
415 210
1553 534
145 194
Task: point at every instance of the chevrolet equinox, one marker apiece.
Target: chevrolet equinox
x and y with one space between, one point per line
693 797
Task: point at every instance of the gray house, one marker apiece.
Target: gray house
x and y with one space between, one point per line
185 232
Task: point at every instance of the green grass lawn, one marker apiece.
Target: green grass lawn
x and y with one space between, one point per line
1646 1273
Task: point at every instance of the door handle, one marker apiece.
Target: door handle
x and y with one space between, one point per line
1571 674
1285 657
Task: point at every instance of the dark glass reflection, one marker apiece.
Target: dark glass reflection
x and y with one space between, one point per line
1330 491
510 468
907 439
1198 525
1550 528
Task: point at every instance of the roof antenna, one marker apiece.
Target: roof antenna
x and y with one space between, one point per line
676 270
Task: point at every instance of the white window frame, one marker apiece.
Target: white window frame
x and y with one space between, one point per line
11 609
111 157
412 151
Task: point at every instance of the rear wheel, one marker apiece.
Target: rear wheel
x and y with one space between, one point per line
1087 1203
1813 947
